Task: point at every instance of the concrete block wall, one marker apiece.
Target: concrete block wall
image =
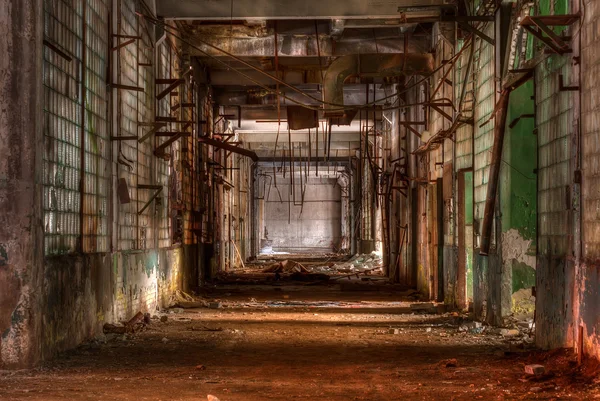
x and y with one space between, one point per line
587 296
317 225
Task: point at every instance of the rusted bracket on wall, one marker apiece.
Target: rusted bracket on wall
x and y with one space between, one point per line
155 127
57 50
160 148
562 87
231 148
408 125
516 120
158 189
475 31
173 85
124 138
172 133
540 25
127 87
442 112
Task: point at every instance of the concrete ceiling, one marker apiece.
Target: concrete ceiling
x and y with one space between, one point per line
218 10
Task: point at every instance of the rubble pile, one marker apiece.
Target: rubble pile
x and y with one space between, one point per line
364 263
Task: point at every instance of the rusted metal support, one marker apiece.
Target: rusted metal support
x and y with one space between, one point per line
155 127
475 31
124 138
492 185
172 133
154 196
231 148
169 89
57 50
514 122
317 152
466 79
563 88
538 25
127 87
121 45
442 112
329 141
158 151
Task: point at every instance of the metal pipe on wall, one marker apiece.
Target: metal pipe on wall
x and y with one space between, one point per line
492 186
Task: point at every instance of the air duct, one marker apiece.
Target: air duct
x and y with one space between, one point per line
369 65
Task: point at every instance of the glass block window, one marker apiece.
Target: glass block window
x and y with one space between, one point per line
97 142
62 127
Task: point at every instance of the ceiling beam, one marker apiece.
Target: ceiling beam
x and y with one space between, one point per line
306 9
304 45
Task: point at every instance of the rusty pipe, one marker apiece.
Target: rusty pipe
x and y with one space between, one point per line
492 185
369 65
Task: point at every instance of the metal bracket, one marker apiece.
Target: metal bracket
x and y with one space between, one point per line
131 40
516 120
169 88
475 31
562 87
159 149
124 138
127 87
442 112
155 127
540 25
57 50
158 189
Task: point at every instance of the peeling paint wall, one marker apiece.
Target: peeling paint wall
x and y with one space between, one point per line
518 200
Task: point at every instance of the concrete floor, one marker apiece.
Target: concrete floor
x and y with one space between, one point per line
292 342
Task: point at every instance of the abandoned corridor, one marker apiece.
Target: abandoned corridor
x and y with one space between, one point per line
310 199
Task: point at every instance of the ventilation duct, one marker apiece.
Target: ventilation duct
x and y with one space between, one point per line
368 65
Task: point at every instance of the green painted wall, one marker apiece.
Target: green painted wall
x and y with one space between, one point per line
518 189
469 231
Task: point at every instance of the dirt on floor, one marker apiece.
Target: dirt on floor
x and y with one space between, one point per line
306 343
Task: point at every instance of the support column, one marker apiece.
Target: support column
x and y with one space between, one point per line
21 142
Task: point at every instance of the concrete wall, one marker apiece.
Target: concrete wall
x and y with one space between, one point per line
21 233
587 296
315 226
73 257
83 292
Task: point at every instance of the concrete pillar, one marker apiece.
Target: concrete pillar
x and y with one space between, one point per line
21 144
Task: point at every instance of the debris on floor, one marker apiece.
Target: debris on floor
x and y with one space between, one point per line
242 352
286 266
365 263
536 370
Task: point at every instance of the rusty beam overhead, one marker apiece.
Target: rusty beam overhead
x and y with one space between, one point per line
228 147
